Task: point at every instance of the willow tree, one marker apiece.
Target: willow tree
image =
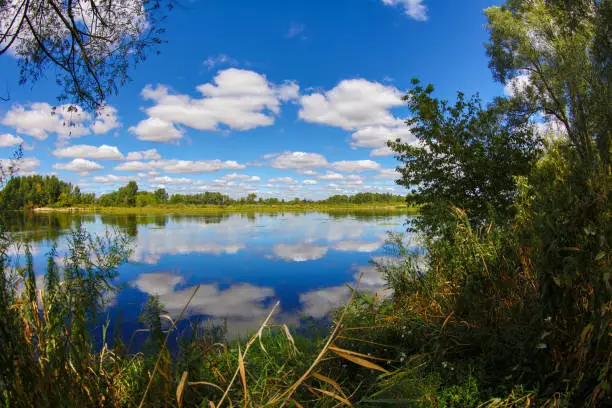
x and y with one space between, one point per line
91 43
556 54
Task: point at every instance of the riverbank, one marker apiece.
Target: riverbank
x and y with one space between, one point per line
241 208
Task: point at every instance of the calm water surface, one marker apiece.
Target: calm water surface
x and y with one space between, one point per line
243 262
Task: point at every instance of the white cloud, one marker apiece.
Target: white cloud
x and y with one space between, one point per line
298 160
40 119
309 182
300 252
195 167
8 140
376 137
387 174
358 246
239 301
103 152
181 166
80 166
318 303
330 175
283 180
105 120
242 177
112 178
239 99
219 59
355 166
23 167
412 8
156 130
157 283
517 85
310 173
133 166
165 180
352 104
150 154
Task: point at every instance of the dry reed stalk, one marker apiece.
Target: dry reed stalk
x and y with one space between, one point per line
164 347
240 367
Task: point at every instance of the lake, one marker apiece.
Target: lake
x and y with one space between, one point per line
243 262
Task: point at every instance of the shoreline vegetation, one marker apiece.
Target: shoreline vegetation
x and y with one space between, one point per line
213 209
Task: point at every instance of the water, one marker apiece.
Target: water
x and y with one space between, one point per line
243 262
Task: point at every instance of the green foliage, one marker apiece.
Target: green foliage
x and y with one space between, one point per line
48 356
465 156
38 191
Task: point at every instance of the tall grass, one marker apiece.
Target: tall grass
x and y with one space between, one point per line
50 359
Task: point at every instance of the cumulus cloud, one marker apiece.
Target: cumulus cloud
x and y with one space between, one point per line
300 252
67 121
238 99
195 167
330 175
355 166
112 179
39 119
297 160
165 180
352 104
309 182
81 166
376 137
133 166
103 152
360 106
318 303
23 166
358 246
283 180
241 177
105 120
181 166
242 301
156 130
150 154
8 140
387 174
157 283
412 8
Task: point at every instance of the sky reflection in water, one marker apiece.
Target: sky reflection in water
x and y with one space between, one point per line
243 262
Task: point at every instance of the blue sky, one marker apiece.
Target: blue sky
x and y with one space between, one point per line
282 98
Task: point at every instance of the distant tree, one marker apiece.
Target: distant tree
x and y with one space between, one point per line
250 198
127 194
466 156
92 44
161 195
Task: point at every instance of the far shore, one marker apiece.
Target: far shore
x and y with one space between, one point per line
185 209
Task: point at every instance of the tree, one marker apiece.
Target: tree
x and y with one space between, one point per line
466 156
92 44
127 194
555 55
161 195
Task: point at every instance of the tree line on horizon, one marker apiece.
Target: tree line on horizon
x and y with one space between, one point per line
35 191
